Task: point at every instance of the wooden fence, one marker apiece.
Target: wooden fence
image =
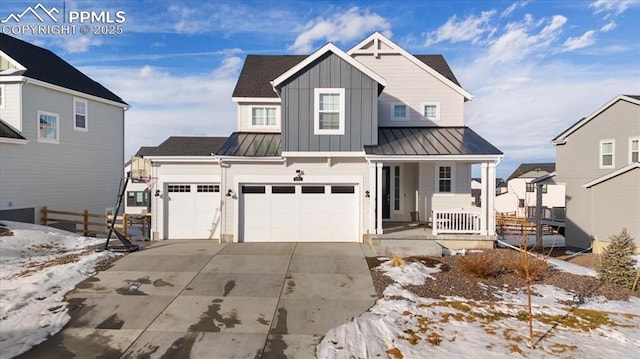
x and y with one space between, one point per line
511 224
95 225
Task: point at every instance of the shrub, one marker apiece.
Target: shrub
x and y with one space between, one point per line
531 266
616 262
478 265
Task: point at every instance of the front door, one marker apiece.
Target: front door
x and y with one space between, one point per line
386 194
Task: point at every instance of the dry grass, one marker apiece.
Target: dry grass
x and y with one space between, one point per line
479 266
533 267
397 260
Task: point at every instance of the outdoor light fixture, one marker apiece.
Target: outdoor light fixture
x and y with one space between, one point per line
298 176
366 194
230 193
157 193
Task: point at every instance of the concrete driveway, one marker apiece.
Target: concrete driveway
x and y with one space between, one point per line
199 299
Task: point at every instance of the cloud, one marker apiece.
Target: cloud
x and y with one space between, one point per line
513 7
612 7
352 25
78 44
470 28
608 27
574 43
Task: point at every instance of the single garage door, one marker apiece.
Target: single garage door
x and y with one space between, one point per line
193 211
299 213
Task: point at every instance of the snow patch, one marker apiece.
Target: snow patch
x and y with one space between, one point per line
409 273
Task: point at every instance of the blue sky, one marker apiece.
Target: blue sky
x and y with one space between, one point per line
534 67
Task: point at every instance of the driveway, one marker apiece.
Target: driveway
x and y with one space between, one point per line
199 299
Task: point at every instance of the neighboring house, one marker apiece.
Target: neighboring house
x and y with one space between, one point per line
184 189
476 189
332 145
521 193
61 135
597 160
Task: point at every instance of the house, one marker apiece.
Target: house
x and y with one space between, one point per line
476 189
520 190
61 135
334 145
597 161
183 191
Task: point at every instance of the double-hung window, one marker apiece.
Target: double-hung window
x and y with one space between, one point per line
48 127
607 149
634 149
531 187
445 178
79 114
329 111
264 115
431 111
399 111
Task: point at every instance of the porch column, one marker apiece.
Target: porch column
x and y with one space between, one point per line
372 198
491 196
378 198
484 198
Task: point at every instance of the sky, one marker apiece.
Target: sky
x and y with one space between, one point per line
534 67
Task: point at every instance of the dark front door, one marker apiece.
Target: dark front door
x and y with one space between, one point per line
386 194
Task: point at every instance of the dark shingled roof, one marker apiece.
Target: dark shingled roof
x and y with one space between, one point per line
637 97
187 146
7 131
145 151
259 70
528 167
421 141
252 145
46 66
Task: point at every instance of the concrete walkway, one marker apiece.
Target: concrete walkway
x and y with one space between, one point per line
199 299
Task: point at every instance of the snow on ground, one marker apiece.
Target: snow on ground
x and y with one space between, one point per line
548 240
410 273
572 268
404 325
38 266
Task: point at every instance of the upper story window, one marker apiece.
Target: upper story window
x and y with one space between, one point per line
431 111
329 111
445 176
2 96
531 187
634 149
607 148
79 114
48 127
399 111
264 115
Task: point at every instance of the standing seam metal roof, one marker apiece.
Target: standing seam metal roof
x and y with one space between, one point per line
252 145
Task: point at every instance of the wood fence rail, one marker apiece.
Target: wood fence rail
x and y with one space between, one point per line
84 222
511 224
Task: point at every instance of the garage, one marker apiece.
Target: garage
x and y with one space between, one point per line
193 210
299 213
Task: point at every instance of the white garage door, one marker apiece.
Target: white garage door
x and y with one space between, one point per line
299 213
193 211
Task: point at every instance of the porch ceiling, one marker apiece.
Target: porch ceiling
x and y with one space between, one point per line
430 141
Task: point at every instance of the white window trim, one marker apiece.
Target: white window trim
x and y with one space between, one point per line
631 139
48 140
316 111
436 189
436 104
3 98
86 115
392 112
276 125
613 153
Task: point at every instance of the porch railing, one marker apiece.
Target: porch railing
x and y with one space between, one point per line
456 222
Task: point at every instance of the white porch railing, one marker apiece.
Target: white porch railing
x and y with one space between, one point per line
457 221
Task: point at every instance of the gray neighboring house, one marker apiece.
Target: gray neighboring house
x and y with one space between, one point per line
61 135
597 160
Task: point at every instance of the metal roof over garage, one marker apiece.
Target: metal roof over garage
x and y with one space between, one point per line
252 145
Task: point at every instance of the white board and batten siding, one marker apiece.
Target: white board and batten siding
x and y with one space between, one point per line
80 172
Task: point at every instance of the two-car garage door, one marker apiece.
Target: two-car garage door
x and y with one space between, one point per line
299 213
193 211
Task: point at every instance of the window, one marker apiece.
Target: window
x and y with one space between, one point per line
312 189
137 198
396 188
343 189
264 116
607 148
329 111
283 189
531 187
521 203
253 189
2 96
399 111
444 178
431 111
208 188
179 188
634 149
79 114
48 129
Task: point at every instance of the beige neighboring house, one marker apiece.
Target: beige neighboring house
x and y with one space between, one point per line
597 160
520 191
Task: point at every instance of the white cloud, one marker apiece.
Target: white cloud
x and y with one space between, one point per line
454 30
579 42
612 7
608 27
352 25
513 7
78 44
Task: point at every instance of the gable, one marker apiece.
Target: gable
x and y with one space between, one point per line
258 71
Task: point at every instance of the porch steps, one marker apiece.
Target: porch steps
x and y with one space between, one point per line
404 247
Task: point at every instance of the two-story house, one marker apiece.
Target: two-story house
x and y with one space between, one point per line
332 145
597 160
61 135
520 195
